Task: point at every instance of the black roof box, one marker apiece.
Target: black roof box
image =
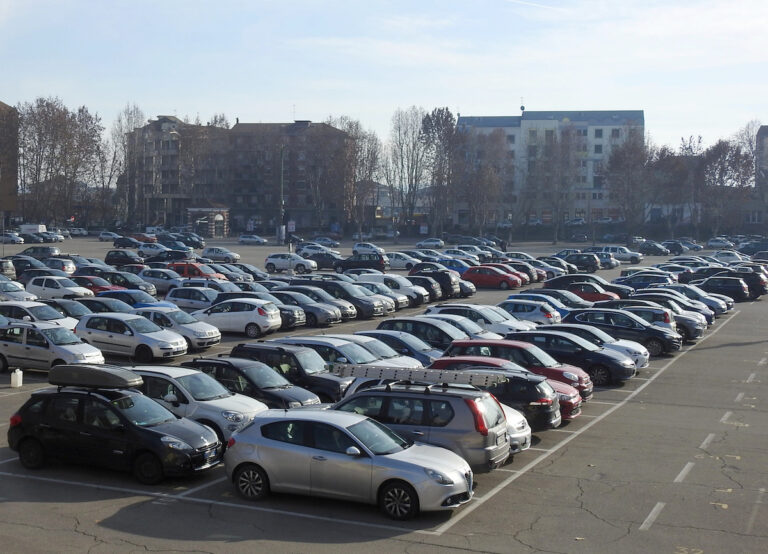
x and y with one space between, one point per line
93 376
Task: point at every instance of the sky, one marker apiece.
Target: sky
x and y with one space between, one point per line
695 67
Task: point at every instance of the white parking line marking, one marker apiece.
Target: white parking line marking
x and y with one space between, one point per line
652 516
705 443
539 449
506 470
727 415
562 431
8 460
587 416
533 463
739 397
684 472
763 361
606 403
751 378
753 515
217 503
640 378
201 487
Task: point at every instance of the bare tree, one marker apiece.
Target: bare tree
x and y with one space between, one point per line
126 198
442 143
728 179
628 177
219 120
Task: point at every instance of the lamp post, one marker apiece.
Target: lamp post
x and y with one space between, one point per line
280 228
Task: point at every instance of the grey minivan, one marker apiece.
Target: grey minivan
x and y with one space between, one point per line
438 334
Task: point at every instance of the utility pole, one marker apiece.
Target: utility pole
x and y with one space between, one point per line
280 231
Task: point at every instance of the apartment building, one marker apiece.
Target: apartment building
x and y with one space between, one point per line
9 158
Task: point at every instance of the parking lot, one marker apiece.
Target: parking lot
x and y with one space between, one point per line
672 461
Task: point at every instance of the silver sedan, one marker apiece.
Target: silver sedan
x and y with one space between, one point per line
346 456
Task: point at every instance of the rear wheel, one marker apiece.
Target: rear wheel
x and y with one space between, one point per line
147 469
300 269
252 331
31 454
654 347
311 320
398 500
338 269
600 375
635 260
144 354
251 482
57 362
408 266
270 268
503 285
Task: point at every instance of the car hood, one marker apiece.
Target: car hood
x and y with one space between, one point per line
432 457
237 403
630 345
293 394
199 326
68 322
398 361
164 335
193 433
487 335
161 303
85 349
514 418
21 295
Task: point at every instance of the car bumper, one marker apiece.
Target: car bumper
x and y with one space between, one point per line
169 352
435 497
519 441
206 342
185 463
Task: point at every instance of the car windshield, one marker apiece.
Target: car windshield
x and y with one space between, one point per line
698 292
264 377
116 305
206 269
10 286
536 356
143 411
181 317
415 342
585 344
400 280
356 354
44 313
377 438
132 278
366 291
270 298
301 298
466 325
171 274
142 325
379 349
310 361
61 336
72 309
353 290
203 387
141 296
492 315
67 283
601 336
99 282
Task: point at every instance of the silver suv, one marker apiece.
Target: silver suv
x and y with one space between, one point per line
42 346
285 261
467 421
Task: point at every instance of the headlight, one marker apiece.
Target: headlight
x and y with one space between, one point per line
571 376
201 334
438 476
564 397
627 363
176 444
80 356
235 417
165 345
294 404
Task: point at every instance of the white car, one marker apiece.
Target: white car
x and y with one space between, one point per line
309 249
130 335
728 256
416 294
108 236
430 243
196 395
78 232
42 346
398 260
519 256
719 242
518 430
381 350
461 255
537 312
623 254
366 248
326 241
35 311
11 238
490 318
243 315
11 290
286 261
192 299
252 239
51 286
147 249
220 254
199 335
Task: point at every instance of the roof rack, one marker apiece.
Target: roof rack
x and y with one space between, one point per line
484 379
93 376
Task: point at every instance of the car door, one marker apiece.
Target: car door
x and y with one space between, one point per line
12 346
103 437
406 416
162 390
333 472
181 297
223 316
96 333
59 431
37 350
285 456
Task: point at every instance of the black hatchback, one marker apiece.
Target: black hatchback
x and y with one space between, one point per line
94 416
256 380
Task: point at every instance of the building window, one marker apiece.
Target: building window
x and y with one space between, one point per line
598 148
532 135
597 196
511 154
532 151
549 136
615 133
510 139
598 133
583 164
581 132
598 181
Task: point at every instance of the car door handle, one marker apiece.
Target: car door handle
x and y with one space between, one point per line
418 433
319 458
44 426
84 434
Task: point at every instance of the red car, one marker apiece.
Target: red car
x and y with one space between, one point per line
569 397
525 279
591 292
143 237
194 269
95 284
490 277
527 355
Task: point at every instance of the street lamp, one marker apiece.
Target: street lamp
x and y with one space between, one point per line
280 228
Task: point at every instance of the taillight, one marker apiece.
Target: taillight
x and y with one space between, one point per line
230 442
547 314
15 420
261 311
541 402
480 425
666 317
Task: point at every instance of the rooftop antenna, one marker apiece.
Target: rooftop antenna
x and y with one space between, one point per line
522 105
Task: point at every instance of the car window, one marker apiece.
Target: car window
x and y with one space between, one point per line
34 338
97 414
364 405
97 323
12 334
158 388
64 409
327 437
285 431
440 413
404 411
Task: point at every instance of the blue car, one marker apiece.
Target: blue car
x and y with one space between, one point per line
405 344
136 298
455 264
561 308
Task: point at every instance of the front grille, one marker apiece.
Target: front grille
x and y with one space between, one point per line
205 455
468 479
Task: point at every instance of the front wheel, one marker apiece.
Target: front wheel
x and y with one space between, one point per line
408 266
654 347
144 354
270 268
311 320
252 331
503 285
399 501
338 269
147 469
251 482
3 364
300 269
600 375
31 454
635 261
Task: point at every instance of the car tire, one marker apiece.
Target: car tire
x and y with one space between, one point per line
338 269
229 260
3 364
684 333
31 454
398 500
600 375
655 347
635 260
503 285
408 267
251 482
148 469
252 331
354 252
270 268
141 253
311 320
144 354
300 269
57 362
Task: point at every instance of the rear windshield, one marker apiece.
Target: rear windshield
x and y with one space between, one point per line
492 412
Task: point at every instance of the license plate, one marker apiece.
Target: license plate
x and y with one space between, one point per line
210 455
501 439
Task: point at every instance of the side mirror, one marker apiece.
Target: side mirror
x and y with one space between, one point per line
404 351
353 451
342 360
26 318
118 427
171 399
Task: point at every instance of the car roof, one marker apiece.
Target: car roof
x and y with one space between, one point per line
163 309
170 371
330 341
114 315
32 325
492 342
481 360
336 417
22 303
272 345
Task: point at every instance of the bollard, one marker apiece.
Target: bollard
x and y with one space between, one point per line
17 379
